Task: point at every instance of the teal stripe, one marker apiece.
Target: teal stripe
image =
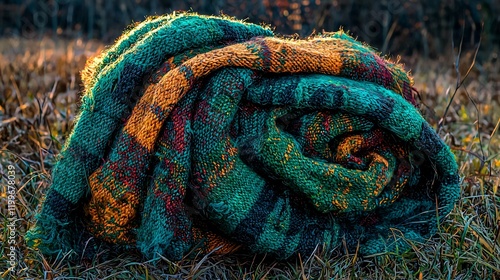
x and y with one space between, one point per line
234 196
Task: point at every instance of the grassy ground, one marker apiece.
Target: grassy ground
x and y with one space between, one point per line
39 95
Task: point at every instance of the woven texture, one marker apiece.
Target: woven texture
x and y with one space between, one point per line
198 133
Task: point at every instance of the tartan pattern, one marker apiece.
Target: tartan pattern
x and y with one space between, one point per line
200 132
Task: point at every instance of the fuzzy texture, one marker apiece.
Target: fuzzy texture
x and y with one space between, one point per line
205 132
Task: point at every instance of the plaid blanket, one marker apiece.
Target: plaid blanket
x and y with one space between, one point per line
202 133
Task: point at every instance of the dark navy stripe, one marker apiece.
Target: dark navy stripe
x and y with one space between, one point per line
90 161
129 84
330 96
298 222
450 180
287 93
58 206
266 55
230 33
429 142
250 228
312 235
384 108
270 92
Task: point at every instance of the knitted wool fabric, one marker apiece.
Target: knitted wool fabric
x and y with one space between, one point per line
196 132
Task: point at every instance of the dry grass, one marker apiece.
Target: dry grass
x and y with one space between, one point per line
39 86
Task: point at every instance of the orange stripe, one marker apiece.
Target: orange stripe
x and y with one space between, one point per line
304 56
144 124
110 217
212 241
323 55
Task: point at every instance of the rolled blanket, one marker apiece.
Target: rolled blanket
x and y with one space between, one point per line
203 133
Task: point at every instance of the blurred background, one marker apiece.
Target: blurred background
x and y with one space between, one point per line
427 27
450 46
44 46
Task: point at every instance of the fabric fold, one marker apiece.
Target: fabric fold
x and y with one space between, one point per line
207 133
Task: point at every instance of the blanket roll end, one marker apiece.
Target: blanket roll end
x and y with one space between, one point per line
207 134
